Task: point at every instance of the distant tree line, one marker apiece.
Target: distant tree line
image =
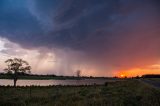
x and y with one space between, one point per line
151 76
51 76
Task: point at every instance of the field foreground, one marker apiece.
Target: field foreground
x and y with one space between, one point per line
121 93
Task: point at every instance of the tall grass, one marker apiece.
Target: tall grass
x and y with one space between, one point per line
123 93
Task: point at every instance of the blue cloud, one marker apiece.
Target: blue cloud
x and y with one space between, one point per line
96 27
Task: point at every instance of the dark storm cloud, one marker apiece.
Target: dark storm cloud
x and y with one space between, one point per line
115 32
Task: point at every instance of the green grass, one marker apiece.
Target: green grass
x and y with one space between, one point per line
122 93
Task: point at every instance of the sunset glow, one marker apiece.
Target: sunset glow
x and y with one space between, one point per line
139 71
122 75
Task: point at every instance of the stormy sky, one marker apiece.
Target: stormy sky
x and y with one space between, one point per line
98 37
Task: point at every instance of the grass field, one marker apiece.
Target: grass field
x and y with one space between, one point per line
122 93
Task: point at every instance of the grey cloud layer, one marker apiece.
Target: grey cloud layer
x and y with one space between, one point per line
122 33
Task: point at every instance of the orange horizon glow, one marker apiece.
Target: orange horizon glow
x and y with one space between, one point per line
137 72
122 76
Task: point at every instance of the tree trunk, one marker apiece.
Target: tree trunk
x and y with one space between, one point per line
15 80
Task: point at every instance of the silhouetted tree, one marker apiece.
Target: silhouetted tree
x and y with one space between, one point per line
16 66
78 73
